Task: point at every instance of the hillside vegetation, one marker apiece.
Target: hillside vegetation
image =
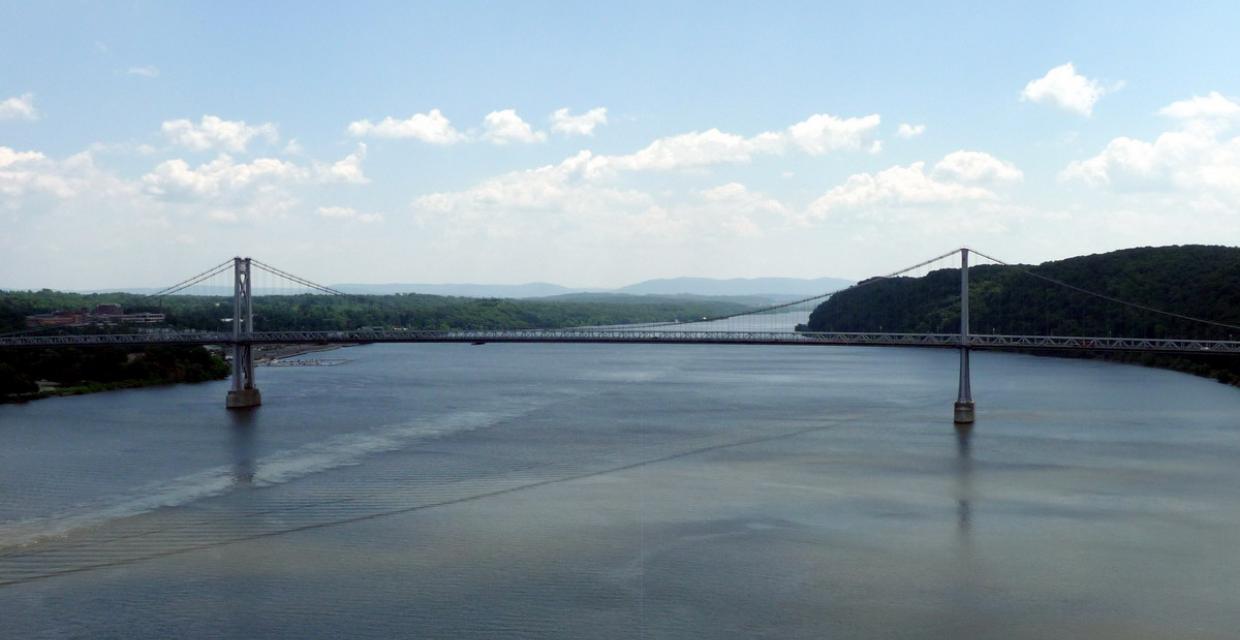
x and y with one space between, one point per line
1194 280
412 311
100 368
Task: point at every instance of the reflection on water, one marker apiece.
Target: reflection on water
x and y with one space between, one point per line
241 428
506 491
964 480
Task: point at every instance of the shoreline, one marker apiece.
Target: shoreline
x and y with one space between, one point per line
262 357
265 357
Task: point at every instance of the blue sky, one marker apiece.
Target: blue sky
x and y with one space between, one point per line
708 139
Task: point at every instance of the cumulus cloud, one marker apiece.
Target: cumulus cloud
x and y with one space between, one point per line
11 157
733 207
563 122
431 127
822 133
503 127
568 196
816 135
146 71
347 169
19 108
898 186
907 131
222 177
31 173
590 187
1212 107
349 213
1199 158
695 149
976 166
552 187
213 132
1066 89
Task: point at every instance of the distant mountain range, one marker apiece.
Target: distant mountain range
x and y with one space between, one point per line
801 287
754 290
772 288
529 290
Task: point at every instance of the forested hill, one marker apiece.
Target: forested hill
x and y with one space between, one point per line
412 311
1194 280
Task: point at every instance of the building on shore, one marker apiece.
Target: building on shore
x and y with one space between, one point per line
101 315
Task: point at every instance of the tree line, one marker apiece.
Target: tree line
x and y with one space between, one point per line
99 368
1194 280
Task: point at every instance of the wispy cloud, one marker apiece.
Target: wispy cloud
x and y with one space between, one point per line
19 108
146 71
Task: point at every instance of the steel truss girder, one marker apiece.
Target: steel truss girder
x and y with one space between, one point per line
608 336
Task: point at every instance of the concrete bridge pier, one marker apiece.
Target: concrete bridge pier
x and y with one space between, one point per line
964 397
243 395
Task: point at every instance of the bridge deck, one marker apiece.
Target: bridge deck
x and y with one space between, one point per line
614 336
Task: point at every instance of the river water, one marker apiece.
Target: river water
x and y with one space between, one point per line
625 491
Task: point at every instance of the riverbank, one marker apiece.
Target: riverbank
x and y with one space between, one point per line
37 374
267 354
94 387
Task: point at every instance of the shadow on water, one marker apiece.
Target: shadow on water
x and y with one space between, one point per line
964 481
243 446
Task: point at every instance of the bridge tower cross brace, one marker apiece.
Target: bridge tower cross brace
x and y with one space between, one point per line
964 397
243 394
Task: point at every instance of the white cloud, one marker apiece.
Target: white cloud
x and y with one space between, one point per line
816 135
821 133
19 108
23 172
10 157
1212 107
431 127
31 173
1197 161
347 169
696 149
567 198
222 177
580 125
907 131
146 71
551 187
897 186
349 213
502 127
1065 88
213 132
976 166
589 188
733 207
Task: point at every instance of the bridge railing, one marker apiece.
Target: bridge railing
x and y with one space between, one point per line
661 336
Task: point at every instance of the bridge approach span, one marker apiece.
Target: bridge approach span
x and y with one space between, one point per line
660 336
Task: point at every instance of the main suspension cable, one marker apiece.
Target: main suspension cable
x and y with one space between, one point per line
189 282
785 305
298 279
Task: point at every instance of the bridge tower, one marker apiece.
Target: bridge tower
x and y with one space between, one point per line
964 398
243 394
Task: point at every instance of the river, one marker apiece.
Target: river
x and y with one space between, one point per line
625 491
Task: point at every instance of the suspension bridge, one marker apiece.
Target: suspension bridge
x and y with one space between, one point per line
750 327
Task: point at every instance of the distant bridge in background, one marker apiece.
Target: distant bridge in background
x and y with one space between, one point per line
738 329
